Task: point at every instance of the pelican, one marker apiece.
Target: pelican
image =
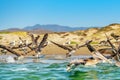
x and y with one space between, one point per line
67 42
116 37
86 62
70 49
4 51
97 57
37 54
42 44
19 56
103 43
115 52
10 59
12 44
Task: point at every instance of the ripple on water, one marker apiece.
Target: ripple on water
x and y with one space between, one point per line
57 71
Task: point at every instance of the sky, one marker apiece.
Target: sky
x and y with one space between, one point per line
73 13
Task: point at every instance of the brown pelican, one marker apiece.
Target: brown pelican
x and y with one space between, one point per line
71 50
95 53
37 46
4 51
23 45
67 42
115 52
12 44
97 57
116 37
103 43
86 62
42 44
19 56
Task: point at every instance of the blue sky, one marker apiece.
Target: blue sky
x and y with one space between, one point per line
74 13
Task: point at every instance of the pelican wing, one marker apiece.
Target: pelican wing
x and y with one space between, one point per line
36 39
114 50
10 50
96 54
79 46
32 37
102 56
61 46
41 45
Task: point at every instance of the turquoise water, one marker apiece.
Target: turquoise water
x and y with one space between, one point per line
56 70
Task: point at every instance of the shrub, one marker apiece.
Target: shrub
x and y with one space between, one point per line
94 42
4 32
73 42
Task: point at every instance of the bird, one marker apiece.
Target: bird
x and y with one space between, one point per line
12 44
18 55
95 53
4 51
10 59
41 45
96 58
103 43
71 50
115 52
86 62
116 37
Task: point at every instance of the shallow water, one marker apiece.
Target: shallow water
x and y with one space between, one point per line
56 70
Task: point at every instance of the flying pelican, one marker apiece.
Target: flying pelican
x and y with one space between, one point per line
115 51
103 43
19 56
97 57
67 42
95 53
86 62
70 49
116 37
42 44
12 44
4 51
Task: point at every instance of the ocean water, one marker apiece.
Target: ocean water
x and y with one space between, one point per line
48 69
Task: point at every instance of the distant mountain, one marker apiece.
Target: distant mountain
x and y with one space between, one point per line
54 28
13 29
36 31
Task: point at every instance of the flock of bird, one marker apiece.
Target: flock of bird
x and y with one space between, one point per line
36 47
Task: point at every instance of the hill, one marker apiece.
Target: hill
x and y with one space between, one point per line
98 34
37 31
54 28
79 36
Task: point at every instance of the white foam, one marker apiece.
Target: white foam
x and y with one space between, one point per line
20 69
10 59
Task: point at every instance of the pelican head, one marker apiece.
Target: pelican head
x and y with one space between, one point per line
68 55
19 57
73 64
